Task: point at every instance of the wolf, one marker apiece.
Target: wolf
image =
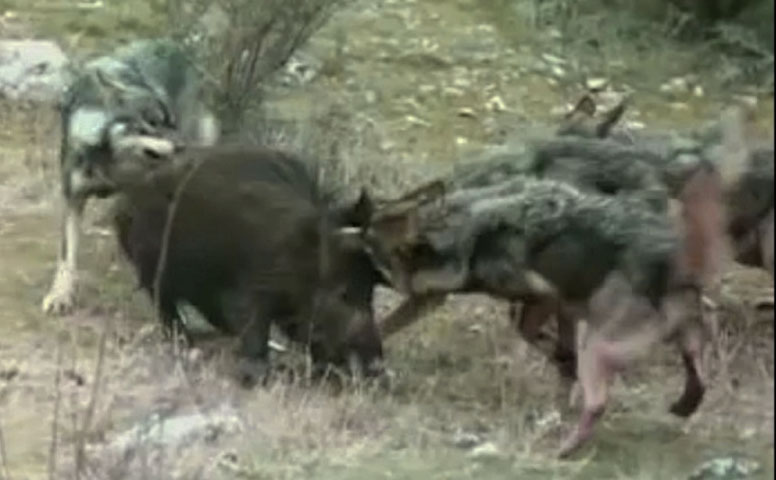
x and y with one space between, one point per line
630 271
728 143
149 93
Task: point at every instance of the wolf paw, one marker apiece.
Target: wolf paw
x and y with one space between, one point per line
60 299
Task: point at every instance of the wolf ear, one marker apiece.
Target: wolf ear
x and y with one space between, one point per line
585 106
361 212
611 118
111 88
396 230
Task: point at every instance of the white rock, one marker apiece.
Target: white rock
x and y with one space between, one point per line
35 70
596 83
487 450
552 59
496 104
558 71
466 113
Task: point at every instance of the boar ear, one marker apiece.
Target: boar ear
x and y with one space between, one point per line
361 212
611 118
585 107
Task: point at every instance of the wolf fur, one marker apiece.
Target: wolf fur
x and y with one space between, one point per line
138 100
551 246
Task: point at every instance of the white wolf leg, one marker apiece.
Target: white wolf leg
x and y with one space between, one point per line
61 297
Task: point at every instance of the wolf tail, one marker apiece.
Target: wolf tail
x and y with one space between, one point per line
704 248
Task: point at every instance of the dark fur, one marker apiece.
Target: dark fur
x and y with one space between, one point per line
551 246
252 241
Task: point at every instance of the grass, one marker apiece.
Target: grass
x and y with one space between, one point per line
460 371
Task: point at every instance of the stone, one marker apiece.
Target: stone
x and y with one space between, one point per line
496 104
466 440
726 468
485 451
33 70
466 113
596 83
552 59
175 431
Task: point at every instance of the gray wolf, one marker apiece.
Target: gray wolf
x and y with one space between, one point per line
254 238
146 91
729 144
634 274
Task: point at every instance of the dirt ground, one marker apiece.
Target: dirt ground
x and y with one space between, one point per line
470 399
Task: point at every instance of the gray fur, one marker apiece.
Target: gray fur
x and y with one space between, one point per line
118 108
538 212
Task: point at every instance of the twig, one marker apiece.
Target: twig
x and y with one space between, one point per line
4 456
81 438
167 232
52 463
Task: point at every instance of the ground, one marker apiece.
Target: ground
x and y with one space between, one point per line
470 399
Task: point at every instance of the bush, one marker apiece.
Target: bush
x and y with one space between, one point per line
240 44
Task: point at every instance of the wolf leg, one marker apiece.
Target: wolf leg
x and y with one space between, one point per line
61 296
595 372
690 338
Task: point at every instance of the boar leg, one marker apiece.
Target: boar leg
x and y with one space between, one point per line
243 315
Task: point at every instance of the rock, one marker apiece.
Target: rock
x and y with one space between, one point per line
726 468
175 431
467 113
452 92
596 83
466 440
477 328
747 100
413 120
300 69
496 104
552 59
675 86
555 34
679 106
34 70
462 82
558 71
485 451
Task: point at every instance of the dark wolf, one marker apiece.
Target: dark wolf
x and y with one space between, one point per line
627 269
728 144
150 85
578 153
248 236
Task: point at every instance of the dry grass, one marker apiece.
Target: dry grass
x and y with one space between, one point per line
460 372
